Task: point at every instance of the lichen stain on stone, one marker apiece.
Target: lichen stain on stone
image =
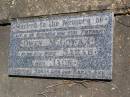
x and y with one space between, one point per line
13 2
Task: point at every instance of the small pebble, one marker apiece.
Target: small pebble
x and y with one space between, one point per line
112 88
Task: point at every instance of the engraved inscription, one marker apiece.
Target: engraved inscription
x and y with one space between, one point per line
75 46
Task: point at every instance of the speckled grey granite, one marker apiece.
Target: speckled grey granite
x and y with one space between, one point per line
67 46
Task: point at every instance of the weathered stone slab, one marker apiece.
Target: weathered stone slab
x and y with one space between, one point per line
69 46
27 8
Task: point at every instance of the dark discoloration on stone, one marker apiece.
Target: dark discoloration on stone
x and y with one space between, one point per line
29 87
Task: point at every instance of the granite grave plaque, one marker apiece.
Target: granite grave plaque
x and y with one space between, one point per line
63 46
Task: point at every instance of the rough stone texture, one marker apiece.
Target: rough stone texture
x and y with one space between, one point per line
25 8
30 87
4 11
